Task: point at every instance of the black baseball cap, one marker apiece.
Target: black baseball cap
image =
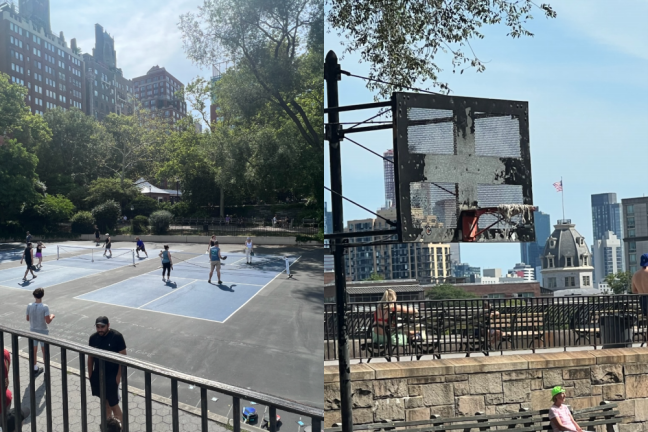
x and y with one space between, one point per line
102 320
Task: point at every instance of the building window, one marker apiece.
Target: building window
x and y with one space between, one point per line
633 269
584 260
631 233
550 262
570 281
632 258
552 282
630 209
632 246
586 281
569 262
552 243
630 221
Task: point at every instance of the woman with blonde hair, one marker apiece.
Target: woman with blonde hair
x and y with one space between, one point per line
382 321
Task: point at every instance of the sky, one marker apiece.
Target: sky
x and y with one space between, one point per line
585 76
145 32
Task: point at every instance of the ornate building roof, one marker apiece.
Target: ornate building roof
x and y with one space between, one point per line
565 247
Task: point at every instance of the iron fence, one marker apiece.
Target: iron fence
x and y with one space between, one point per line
246 226
126 363
420 328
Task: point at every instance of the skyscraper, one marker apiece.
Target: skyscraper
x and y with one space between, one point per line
390 185
158 92
107 89
606 216
530 252
51 69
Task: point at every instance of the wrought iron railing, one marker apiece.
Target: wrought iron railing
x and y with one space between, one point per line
415 329
126 363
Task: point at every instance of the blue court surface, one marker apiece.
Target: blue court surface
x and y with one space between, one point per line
188 293
74 264
12 255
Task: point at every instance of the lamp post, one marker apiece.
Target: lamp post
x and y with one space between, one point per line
132 217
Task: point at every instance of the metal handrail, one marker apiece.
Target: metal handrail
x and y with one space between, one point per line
237 393
465 326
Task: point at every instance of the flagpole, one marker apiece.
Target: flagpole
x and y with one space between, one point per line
562 194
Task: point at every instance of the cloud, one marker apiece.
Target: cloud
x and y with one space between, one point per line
620 25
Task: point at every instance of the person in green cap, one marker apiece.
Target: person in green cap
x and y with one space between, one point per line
559 414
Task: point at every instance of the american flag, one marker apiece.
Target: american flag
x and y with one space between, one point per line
558 186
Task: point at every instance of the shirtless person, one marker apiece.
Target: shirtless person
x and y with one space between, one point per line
640 283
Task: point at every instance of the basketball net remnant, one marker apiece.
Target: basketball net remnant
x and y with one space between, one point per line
504 213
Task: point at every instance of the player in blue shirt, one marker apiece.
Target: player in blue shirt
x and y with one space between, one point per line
215 258
140 247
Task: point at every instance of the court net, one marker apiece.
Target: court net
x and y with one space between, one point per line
92 254
234 261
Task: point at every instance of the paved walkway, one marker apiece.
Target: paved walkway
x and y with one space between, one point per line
189 417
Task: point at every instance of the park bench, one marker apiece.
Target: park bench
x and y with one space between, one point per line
525 420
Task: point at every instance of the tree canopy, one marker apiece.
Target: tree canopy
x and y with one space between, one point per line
269 40
619 283
448 292
402 39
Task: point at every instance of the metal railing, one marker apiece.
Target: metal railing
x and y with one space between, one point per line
415 329
274 403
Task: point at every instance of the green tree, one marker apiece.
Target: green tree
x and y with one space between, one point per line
620 282
56 208
75 153
16 118
106 215
106 189
375 277
18 179
132 141
448 292
402 39
266 38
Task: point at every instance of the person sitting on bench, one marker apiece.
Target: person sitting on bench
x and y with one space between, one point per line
559 414
382 321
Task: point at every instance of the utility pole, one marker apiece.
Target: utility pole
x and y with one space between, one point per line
332 75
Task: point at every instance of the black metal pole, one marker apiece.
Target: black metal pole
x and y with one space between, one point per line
332 76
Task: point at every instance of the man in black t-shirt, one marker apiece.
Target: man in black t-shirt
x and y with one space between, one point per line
110 340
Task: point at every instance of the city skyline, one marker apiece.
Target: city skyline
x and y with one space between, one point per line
578 74
144 36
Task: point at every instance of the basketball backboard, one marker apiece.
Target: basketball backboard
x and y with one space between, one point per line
463 169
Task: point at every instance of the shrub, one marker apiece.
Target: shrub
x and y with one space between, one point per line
160 221
140 225
83 223
142 205
56 208
182 209
106 215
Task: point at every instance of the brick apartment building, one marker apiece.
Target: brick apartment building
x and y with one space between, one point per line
157 92
34 57
107 89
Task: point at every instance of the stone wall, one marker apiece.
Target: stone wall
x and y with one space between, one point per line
414 390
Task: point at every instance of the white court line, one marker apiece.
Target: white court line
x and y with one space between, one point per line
7 280
171 292
147 310
65 267
248 300
194 280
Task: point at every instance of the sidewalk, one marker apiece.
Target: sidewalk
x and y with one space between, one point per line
189 417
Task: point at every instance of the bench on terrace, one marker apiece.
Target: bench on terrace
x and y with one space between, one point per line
525 420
